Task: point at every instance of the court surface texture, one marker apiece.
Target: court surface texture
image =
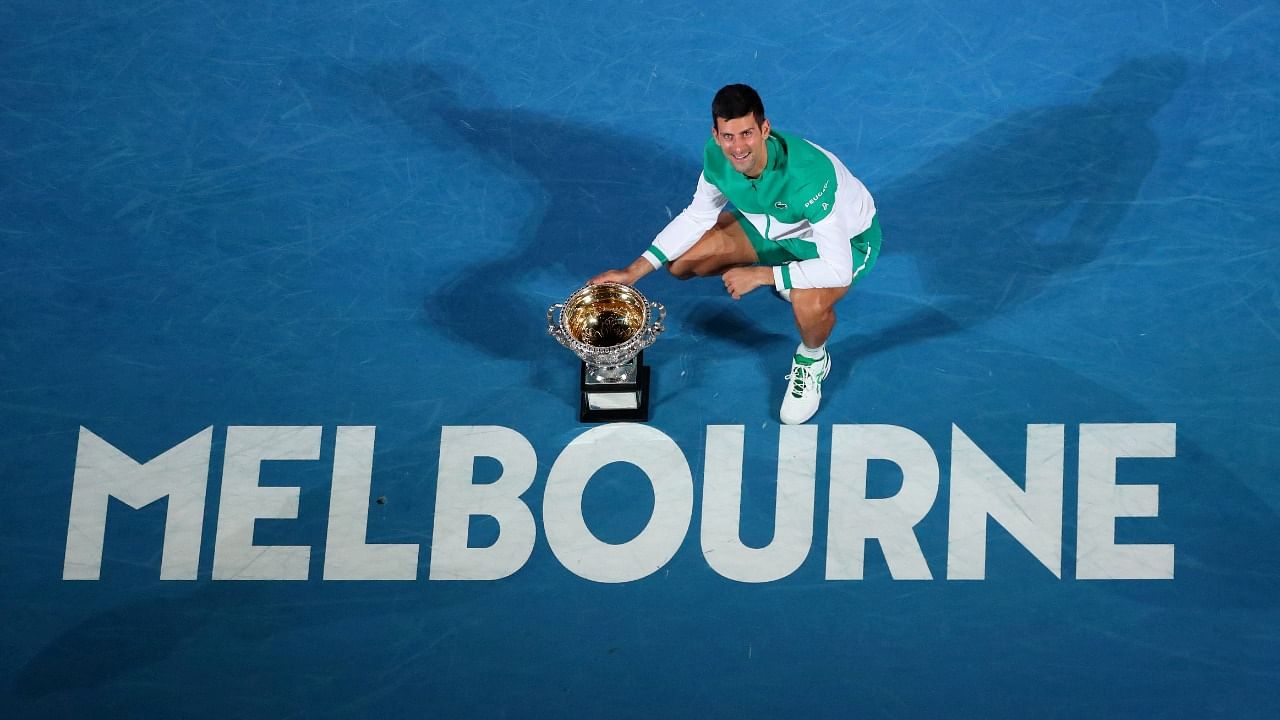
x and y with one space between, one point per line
283 433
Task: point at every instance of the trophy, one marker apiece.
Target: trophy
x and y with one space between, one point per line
608 326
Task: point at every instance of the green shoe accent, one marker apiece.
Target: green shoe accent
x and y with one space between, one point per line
802 360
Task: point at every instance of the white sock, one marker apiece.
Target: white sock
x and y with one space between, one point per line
812 353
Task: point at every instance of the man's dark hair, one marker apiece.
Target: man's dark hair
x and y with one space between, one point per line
735 101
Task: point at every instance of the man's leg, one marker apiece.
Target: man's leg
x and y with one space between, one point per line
815 314
722 247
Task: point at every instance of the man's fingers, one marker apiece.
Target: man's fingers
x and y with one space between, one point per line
604 277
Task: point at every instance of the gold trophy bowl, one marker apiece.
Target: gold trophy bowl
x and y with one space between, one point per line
608 326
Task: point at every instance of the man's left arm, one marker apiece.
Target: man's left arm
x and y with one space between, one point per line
831 233
832 268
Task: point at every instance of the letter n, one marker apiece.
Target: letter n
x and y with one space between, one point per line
980 489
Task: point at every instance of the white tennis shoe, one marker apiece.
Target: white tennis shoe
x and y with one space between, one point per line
804 392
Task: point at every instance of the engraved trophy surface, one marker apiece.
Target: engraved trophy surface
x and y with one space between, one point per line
608 326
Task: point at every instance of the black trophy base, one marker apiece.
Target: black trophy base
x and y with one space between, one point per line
616 401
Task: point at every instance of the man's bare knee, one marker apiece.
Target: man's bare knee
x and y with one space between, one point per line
815 303
722 247
679 275
698 267
809 303
682 269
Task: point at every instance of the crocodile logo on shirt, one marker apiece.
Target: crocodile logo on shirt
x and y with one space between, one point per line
780 205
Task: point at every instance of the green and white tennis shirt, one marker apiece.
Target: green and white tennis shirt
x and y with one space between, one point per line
804 193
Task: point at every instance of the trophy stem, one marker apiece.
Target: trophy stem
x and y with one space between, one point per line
615 401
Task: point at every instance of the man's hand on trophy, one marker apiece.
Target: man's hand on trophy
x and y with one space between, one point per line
740 281
627 276
618 276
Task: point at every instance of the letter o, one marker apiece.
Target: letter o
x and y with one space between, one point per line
661 460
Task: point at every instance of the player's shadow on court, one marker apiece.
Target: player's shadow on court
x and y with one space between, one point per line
1038 195
601 195
990 223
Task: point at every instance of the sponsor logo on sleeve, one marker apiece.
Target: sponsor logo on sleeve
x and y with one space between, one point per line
821 192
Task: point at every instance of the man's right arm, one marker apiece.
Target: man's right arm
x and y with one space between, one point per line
627 275
676 238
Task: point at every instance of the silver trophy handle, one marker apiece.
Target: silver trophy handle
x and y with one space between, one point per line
553 327
662 315
658 316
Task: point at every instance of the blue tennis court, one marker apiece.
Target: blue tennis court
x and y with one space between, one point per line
283 433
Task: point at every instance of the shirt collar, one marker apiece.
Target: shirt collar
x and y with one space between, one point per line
775 158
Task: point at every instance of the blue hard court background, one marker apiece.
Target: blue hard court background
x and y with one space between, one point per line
323 213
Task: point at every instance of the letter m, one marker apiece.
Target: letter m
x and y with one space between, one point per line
180 474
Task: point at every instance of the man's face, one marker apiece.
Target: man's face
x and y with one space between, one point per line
742 142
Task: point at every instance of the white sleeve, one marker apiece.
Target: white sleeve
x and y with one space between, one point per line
686 228
852 214
832 268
